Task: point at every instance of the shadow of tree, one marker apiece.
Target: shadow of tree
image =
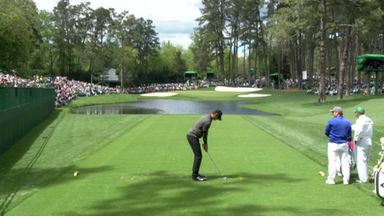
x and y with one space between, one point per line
12 181
161 193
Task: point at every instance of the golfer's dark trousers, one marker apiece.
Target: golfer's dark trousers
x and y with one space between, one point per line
195 145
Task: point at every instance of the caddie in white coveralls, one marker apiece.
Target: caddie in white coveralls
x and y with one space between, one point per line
363 129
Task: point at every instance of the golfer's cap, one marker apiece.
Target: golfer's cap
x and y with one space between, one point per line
336 109
359 110
219 114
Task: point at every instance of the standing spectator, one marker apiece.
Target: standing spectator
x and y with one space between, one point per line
373 90
339 132
200 130
363 139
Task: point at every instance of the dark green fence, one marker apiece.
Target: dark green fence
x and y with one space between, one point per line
21 109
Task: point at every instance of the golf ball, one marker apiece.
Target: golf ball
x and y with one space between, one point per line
76 173
321 173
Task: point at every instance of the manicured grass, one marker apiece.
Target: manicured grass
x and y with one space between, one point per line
302 120
207 94
104 99
141 164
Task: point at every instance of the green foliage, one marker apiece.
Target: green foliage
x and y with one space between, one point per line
76 41
202 54
81 42
16 37
209 40
172 64
188 57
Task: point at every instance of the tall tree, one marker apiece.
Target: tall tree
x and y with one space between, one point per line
16 37
82 55
180 66
234 26
323 29
122 28
44 57
101 20
212 23
200 49
145 40
253 35
63 39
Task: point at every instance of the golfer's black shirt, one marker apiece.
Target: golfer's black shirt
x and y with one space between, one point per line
200 129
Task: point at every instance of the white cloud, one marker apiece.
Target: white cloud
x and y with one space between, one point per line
174 19
176 39
47 5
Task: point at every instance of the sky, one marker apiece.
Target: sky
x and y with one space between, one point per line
174 19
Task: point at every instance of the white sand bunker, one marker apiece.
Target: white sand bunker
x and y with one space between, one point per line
159 94
253 95
236 89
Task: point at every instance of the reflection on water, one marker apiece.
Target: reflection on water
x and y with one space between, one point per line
168 106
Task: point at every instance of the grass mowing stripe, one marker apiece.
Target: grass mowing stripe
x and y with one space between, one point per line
147 169
307 143
310 142
73 139
9 198
147 172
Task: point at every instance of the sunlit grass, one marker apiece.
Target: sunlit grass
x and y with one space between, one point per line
141 164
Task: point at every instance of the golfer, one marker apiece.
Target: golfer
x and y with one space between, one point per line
339 132
200 130
363 140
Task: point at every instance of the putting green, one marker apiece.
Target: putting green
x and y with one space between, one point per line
145 170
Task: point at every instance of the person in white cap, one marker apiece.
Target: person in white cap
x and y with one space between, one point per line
363 129
339 132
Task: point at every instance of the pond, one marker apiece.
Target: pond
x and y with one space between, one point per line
169 106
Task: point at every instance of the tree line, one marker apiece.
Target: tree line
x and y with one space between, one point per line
321 37
82 43
237 39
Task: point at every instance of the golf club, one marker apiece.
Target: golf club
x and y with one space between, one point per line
217 168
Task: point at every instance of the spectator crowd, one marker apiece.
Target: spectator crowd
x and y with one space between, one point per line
67 90
163 87
358 87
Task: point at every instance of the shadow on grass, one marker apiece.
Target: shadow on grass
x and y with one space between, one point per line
161 193
10 157
13 181
28 180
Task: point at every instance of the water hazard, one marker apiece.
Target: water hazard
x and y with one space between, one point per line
169 106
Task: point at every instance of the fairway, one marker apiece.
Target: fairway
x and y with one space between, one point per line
106 108
141 164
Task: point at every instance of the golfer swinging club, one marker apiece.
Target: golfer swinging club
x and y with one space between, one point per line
200 130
